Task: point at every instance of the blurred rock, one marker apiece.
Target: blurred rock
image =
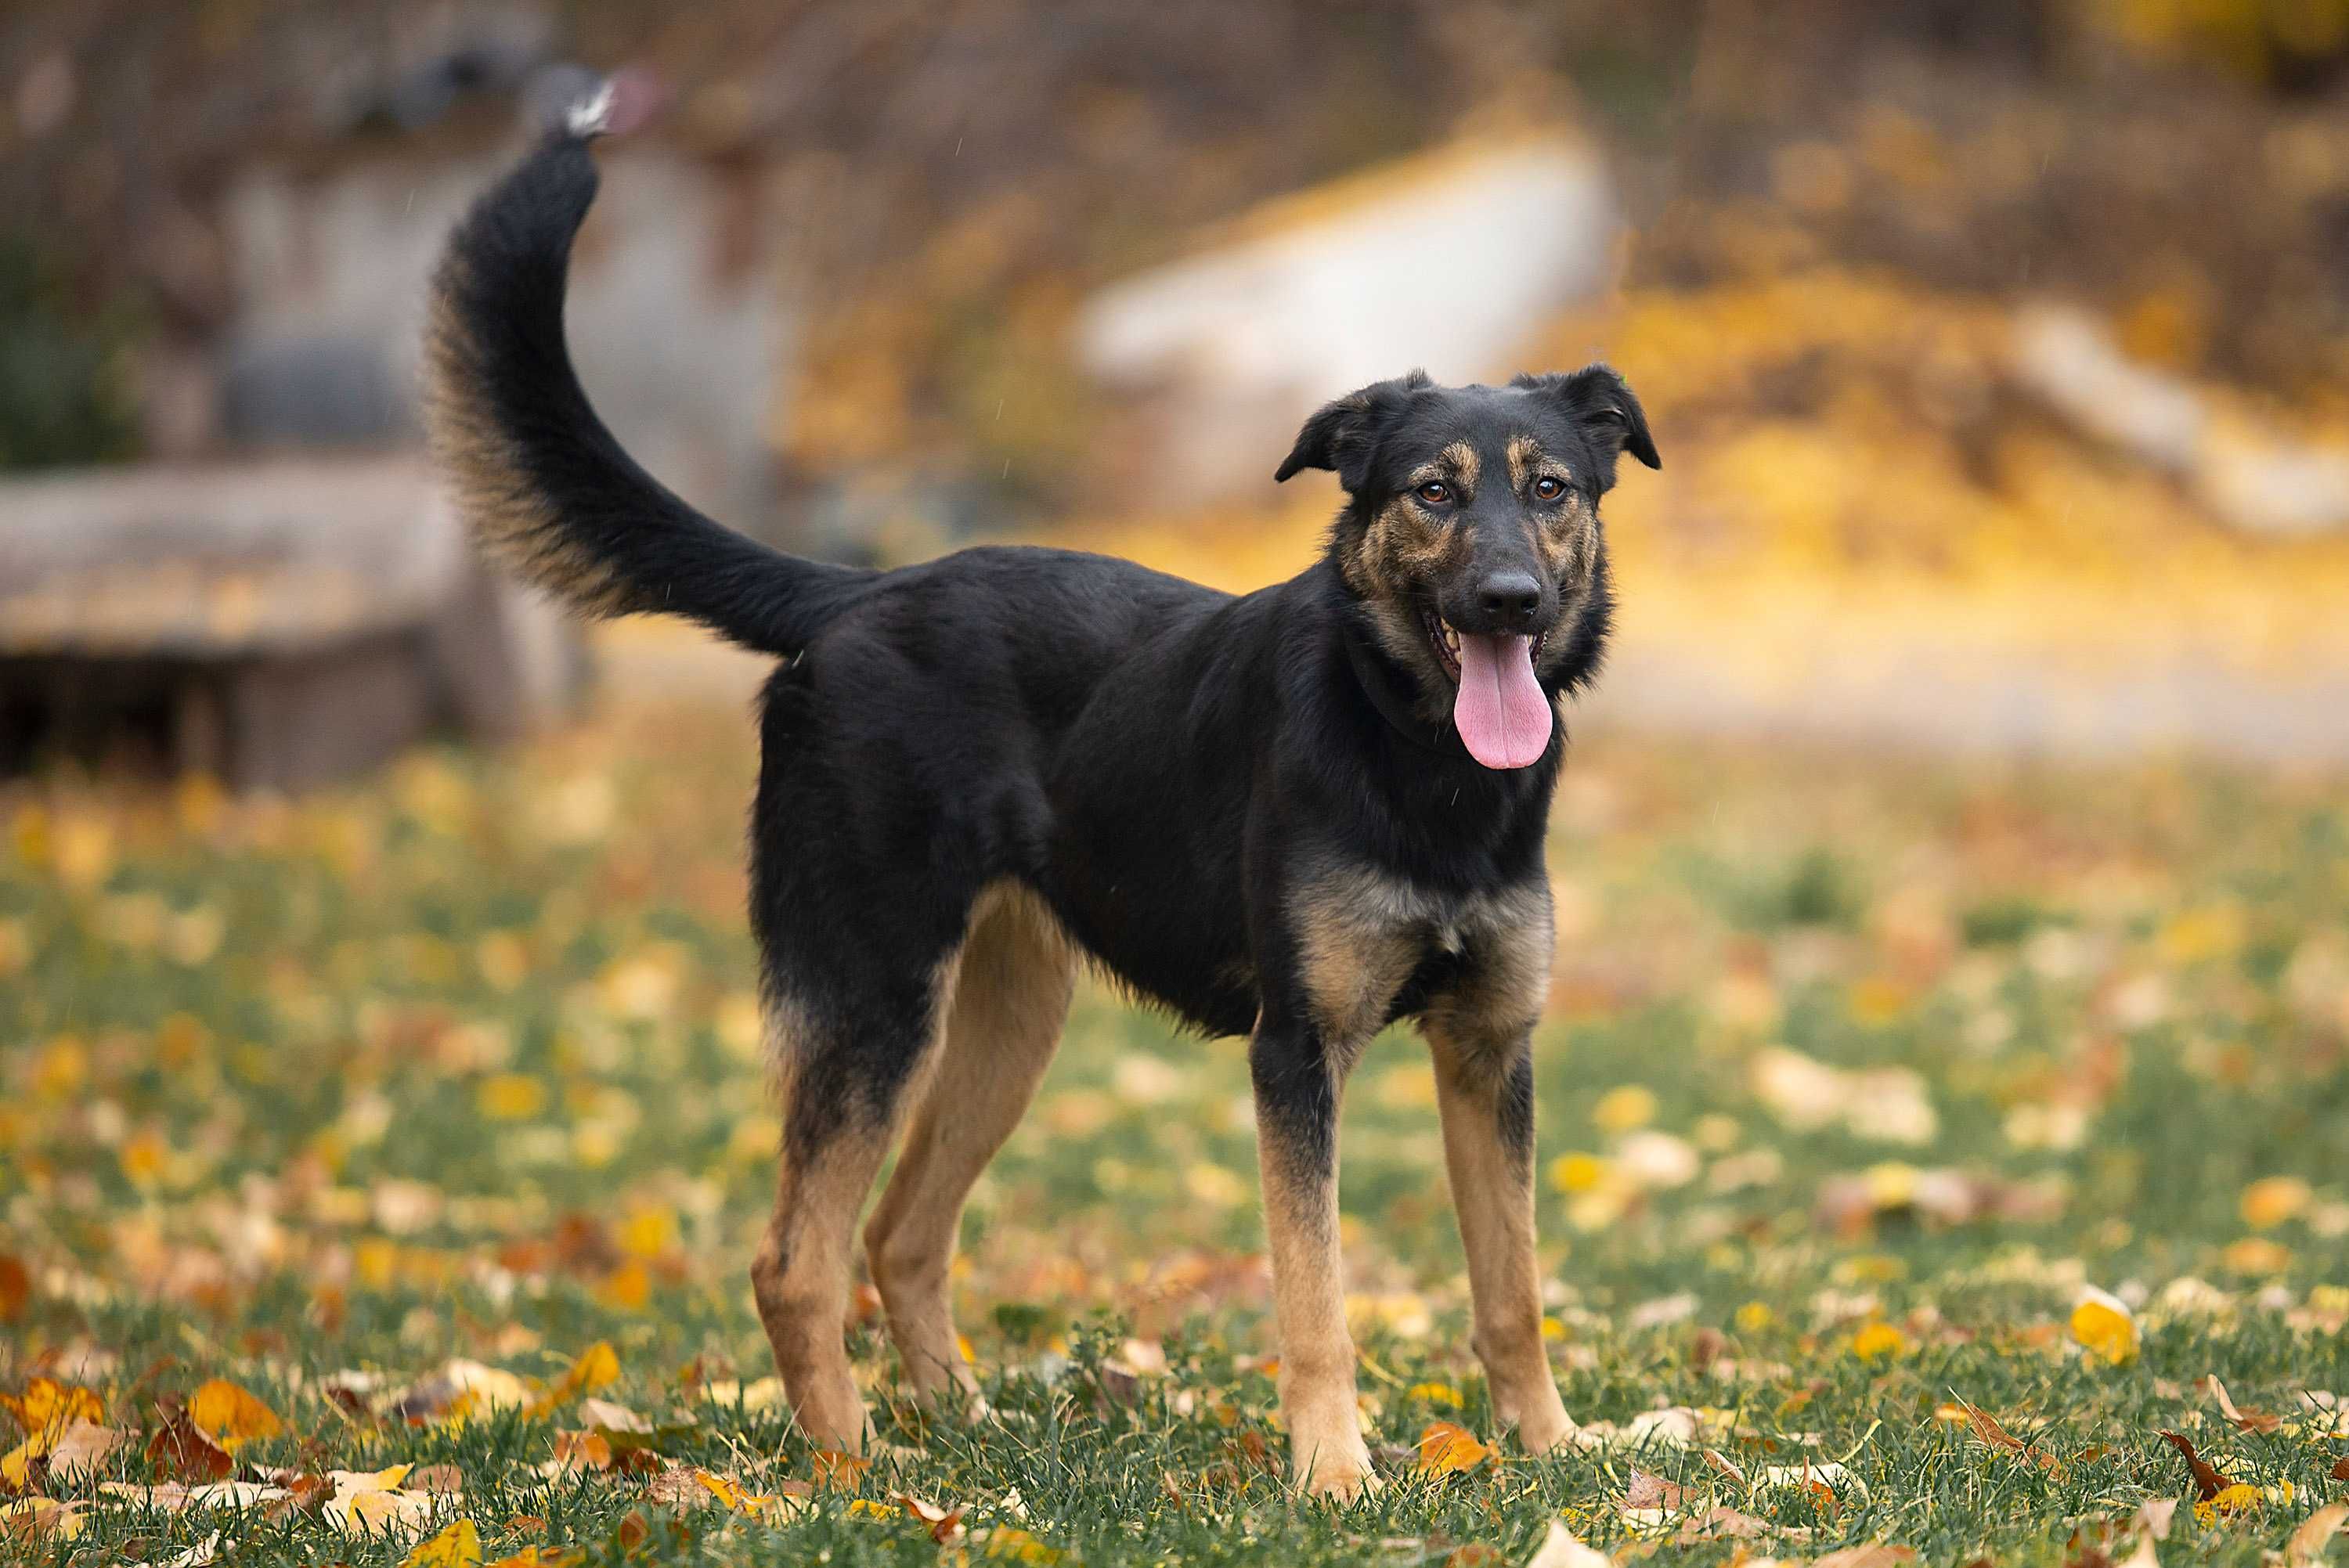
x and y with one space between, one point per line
2252 480
1448 261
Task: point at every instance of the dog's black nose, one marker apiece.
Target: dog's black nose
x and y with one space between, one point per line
1509 596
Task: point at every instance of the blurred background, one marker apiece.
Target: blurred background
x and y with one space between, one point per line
1997 350
1953 866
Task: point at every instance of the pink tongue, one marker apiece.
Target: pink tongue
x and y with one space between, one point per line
1500 711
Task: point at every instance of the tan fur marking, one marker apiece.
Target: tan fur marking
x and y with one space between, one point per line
1492 1194
801 1274
1476 1033
1357 941
1510 943
1327 1454
1011 997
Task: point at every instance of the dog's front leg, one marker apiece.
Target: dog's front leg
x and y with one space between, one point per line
1296 1082
1484 1092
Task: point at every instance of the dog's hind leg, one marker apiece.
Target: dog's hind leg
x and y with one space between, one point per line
1010 998
842 1086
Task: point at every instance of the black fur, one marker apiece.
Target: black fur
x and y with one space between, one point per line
1165 765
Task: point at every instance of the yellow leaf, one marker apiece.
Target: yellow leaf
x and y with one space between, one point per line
598 1366
46 1403
510 1097
1446 1447
1623 1107
1434 1393
231 1416
458 1545
1578 1172
1019 1546
1878 1339
2104 1325
2270 1202
2237 1499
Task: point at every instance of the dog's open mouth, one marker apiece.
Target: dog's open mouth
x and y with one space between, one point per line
1498 705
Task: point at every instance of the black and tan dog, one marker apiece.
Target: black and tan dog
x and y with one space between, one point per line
1297 815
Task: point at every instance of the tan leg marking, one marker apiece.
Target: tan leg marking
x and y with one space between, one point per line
801 1274
1478 1037
801 1278
1010 998
1327 1454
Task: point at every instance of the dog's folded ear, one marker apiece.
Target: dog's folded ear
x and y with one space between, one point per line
1340 434
1601 402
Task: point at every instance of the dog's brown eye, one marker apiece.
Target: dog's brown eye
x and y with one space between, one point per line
1547 487
1434 492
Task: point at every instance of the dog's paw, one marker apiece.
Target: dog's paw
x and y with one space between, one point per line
1541 1430
1341 1478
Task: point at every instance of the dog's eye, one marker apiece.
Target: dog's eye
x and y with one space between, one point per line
1549 488
1436 492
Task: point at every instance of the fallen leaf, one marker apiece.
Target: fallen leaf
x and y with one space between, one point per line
1560 1549
946 1524
607 1416
47 1403
2153 1517
2231 1501
1446 1447
2314 1539
195 1556
174 1496
836 1470
1714 1458
2208 1482
2103 1325
2249 1420
598 1366
1986 1428
232 1416
181 1450
381 1513
1647 1490
1825 1481
81 1450
544 1557
1876 1554
441 1479
2341 1470
1019 1546
16 1287
458 1545
39 1519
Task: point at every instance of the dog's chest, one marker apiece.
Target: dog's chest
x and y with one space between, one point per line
1366 939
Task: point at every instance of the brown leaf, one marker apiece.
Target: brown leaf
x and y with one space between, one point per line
181 1450
16 1287
1653 1491
1986 1426
2341 1470
1727 1467
438 1479
2249 1420
2208 1482
1729 1524
946 1524
634 1530
1876 1554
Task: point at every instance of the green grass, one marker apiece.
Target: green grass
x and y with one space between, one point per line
460 1064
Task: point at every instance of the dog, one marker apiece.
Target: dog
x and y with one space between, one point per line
1298 815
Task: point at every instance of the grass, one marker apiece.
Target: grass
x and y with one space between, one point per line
1856 1074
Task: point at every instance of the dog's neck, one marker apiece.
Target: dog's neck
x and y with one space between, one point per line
1390 690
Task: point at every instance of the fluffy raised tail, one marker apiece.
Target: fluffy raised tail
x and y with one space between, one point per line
545 487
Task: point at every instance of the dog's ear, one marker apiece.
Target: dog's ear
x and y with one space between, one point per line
1598 400
1340 434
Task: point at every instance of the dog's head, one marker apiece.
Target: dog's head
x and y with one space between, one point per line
1471 534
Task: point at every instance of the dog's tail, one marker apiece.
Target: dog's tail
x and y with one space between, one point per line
542 485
